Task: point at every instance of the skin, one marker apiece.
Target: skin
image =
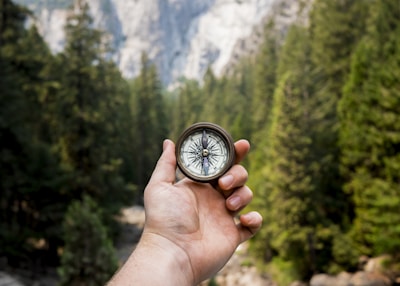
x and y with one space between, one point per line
190 231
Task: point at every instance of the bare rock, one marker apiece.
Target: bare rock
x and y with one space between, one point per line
298 283
362 261
342 279
362 278
240 272
7 280
132 222
133 215
377 264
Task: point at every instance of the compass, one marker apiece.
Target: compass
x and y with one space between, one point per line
204 152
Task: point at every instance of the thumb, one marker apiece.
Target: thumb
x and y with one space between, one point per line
166 165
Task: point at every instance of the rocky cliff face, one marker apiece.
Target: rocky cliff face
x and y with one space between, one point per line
183 37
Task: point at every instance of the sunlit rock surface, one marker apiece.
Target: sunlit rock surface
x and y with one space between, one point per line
182 37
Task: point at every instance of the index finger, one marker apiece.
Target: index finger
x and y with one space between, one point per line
242 147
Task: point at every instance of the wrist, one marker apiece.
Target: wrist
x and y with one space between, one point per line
169 255
156 261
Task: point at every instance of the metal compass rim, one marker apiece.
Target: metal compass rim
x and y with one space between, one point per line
221 133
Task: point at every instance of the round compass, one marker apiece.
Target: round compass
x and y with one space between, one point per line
204 152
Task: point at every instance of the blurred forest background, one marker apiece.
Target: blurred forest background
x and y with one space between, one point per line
320 105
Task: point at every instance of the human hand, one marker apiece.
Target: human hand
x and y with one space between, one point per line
190 231
197 218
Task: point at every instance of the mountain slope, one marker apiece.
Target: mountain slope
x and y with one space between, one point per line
183 37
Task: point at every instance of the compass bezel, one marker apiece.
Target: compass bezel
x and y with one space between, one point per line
220 132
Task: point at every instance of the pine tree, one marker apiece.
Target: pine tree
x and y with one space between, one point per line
237 98
118 134
370 140
300 227
30 175
88 256
78 101
89 109
188 106
212 98
226 101
335 29
149 120
291 212
265 68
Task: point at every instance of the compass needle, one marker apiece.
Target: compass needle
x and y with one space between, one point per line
204 139
206 165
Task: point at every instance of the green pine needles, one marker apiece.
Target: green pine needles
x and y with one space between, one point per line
88 256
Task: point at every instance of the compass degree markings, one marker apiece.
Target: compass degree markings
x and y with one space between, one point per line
204 152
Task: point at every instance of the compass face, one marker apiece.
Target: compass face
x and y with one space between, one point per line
205 152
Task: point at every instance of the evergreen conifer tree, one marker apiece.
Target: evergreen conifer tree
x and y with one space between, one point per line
149 120
88 256
31 202
265 68
89 113
188 106
290 211
237 97
265 73
370 132
213 102
335 29
300 229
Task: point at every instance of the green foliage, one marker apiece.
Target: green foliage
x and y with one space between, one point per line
187 106
238 103
29 172
262 102
212 282
282 271
335 29
87 111
345 253
291 225
62 130
299 188
149 122
264 81
370 131
225 101
88 257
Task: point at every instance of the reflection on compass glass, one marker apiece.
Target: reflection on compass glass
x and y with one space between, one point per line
205 152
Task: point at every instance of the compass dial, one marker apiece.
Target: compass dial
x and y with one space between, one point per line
205 152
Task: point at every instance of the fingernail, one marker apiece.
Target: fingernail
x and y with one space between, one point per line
248 217
226 181
165 144
234 202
